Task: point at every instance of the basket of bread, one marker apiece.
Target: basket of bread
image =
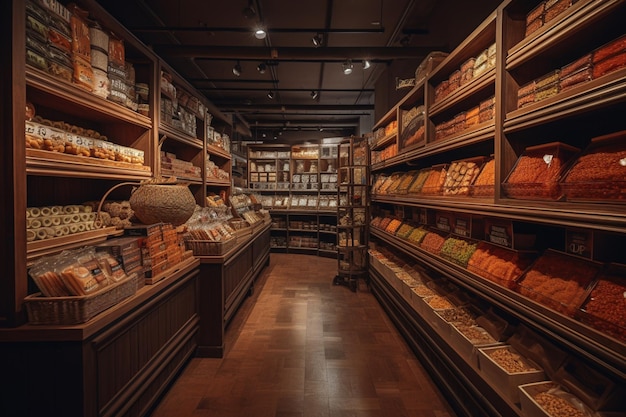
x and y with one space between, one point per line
77 285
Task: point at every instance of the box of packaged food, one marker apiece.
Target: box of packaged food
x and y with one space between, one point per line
472 117
534 18
547 85
433 185
599 173
609 57
442 90
454 80
487 110
537 172
581 76
461 176
526 95
505 369
467 71
605 306
553 8
481 64
500 265
558 281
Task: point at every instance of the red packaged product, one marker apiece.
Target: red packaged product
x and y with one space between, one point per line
553 8
581 63
612 48
572 80
609 65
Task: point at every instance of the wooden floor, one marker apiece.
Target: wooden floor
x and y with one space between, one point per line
301 347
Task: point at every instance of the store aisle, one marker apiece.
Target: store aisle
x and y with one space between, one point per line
302 347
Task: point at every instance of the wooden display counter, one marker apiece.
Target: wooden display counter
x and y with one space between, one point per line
118 363
224 282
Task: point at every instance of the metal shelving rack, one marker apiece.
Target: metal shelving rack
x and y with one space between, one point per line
352 212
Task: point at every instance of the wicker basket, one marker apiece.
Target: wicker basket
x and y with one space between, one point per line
78 309
210 247
166 203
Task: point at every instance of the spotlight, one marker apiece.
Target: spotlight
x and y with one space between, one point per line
237 69
347 67
366 64
317 40
270 95
313 95
260 33
261 68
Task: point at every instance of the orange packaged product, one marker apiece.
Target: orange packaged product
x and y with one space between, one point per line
81 42
433 185
484 185
538 170
500 265
600 171
558 281
605 307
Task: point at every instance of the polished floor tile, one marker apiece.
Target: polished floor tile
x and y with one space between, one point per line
302 347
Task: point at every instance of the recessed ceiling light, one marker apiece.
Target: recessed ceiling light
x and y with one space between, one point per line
317 40
313 95
261 68
366 64
237 69
347 67
270 95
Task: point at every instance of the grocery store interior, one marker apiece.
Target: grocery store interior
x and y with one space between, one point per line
343 208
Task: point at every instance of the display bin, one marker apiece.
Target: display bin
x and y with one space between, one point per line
458 250
210 247
386 186
398 178
537 172
599 173
466 340
595 389
433 185
428 64
461 176
406 181
500 265
435 308
418 182
412 133
79 309
502 378
418 295
605 307
558 281
531 408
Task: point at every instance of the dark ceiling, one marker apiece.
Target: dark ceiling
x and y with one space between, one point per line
203 40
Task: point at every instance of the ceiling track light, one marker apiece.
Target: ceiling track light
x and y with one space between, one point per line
317 40
314 95
366 64
270 95
237 69
261 68
260 33
347 67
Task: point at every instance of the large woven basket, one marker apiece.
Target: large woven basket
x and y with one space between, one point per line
166 203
